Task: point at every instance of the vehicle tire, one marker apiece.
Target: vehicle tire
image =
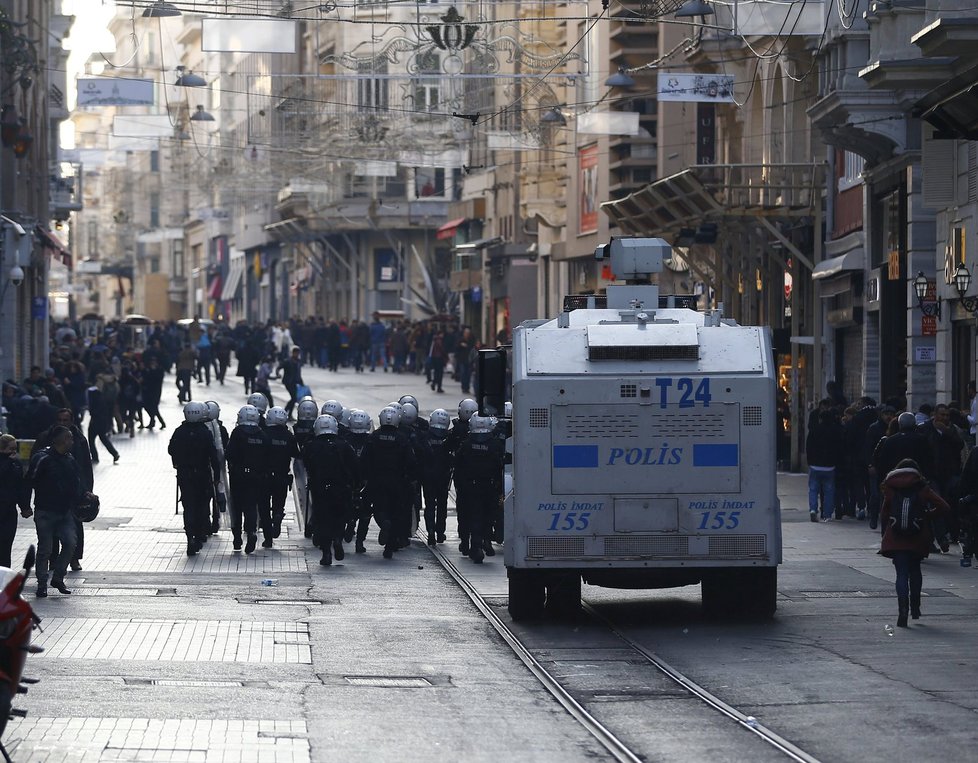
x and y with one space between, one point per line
564 594
762 596
718 595
526 594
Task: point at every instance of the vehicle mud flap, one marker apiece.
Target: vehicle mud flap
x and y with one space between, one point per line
527 594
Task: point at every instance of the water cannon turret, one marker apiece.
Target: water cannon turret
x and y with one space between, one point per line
634 260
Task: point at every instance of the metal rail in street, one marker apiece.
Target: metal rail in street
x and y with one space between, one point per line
618 749
746 721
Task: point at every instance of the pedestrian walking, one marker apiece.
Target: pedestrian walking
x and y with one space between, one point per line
186 361
152 392
292 378
909 507
14 494
99 424
54 477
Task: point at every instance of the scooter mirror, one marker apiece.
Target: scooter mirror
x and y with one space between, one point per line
29 560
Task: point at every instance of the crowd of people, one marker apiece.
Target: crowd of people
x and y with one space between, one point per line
345 471
912 475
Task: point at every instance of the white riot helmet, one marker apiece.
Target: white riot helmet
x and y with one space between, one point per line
259 401
307 410
397 407
389 416
248 414
213 410
332 408
480 425
467 408
345 417
409 414
440 419
194 412
307 397
508 410
325 424
409 399
359 422
276 417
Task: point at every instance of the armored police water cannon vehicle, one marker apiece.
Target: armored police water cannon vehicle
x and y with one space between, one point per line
643 449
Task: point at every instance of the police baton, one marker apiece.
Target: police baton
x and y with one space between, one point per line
176 506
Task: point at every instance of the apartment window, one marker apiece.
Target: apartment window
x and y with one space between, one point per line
176 259
426 90
154 264
154 161
386 266
154 210
851 171
372 92
429 182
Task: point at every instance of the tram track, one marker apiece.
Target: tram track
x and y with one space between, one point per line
616 747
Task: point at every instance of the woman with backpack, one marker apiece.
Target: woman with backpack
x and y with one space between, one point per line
908 509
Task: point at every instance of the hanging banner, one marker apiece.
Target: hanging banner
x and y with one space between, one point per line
231 35
587 189
706 133
608 123
115 91
708 88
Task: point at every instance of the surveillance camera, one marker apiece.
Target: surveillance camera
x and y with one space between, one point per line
16 275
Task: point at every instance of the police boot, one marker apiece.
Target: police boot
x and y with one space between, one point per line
904 604
327 559
385 529
487 547
476 554
361 549
267 538
276 529
915 605
215 525
338 551
42 588
237 541
192 547
252 542
389 552
463 546
351 529
308 531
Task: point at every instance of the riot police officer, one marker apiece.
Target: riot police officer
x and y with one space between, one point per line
195 458
437 475
478 483
332 408
420 424
389 465
306 414
357 439
460 428
419 443
259 401
282 449
333 471
247 455
221 489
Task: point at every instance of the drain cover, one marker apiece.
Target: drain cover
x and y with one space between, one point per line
390 682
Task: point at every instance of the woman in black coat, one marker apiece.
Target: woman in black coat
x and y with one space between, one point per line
13 493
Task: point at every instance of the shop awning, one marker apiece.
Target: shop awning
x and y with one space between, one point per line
854 260
448 229
54 247
471 247
214 290
233 283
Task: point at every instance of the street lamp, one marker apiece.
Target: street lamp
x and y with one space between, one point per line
554 117
694 8
186 78
201 116
160 10
962 281
620 79
920 284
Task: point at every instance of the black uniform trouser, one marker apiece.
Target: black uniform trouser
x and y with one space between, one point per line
330 509
195 495
8 528
391 509
278 491
436 503
481 501
247 490
363 511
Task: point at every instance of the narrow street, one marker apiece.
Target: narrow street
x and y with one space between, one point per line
157 657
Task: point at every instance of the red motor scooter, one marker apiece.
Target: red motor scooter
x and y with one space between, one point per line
17 621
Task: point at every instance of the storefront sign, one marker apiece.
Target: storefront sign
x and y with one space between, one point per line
926 354
39 308
928 325
706 133
587 191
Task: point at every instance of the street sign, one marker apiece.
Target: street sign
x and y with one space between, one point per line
39 308
926 354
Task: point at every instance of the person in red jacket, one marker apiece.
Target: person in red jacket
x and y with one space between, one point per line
906 549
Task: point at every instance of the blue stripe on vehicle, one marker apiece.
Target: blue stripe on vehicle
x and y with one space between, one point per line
575 456
711 454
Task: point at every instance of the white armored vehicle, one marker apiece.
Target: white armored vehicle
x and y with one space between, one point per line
643 450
